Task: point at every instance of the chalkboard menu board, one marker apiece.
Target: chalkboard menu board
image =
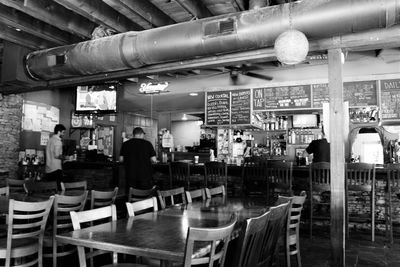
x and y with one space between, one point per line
284 97
240 107
390 99
218 108
363 93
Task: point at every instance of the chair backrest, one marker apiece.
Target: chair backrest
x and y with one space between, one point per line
215 171
279 175
80 217
179 172
140 194
360 176
218 239
27 220
167 197
260 239
320 176
5 191
195 194
41 187
80 185
102 198
16 185
254 169
393 175
295 207
219 190
141 205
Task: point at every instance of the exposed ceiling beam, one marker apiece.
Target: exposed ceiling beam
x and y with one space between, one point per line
100 13
129 13
369 40
25 23
149 12
195 7
53 14
23 38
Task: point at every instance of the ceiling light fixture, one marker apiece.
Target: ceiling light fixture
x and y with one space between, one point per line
193 94
18 29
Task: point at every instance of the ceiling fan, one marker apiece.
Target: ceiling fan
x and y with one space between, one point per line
246 70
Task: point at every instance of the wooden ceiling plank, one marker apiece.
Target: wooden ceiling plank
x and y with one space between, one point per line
100 13
45 11
22 38
196 8
129 13
19 20
149 12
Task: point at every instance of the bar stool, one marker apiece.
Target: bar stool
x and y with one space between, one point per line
320 183
179 174
392 186
360 177
254 173
279 177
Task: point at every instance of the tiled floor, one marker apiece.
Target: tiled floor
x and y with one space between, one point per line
360 251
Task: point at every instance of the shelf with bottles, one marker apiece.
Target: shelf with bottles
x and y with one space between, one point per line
270 121
303 136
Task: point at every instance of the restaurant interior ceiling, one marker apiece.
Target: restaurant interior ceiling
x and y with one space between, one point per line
41 24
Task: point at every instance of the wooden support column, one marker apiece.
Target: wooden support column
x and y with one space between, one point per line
336 129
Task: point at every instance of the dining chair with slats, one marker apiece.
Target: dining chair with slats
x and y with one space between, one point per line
179 174
16 185
102 198
171 197
141 206
79 218
279 179
62 223
26 223
33 187
140 194
254 176
79 185
219 190
5 191
215 174
195 194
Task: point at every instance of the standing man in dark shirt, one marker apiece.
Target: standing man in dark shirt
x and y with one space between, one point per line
320 149
137 155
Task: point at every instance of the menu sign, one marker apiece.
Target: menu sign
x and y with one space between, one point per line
218 108
240 107
284 97
390 99
363 93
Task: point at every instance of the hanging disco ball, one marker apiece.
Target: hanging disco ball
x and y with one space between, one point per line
291 47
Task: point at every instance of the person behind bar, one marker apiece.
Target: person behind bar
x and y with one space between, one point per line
137 155
320 149
54 155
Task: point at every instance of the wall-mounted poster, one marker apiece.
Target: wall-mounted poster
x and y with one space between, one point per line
39 117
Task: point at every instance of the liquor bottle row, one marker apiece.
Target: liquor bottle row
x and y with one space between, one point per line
302 136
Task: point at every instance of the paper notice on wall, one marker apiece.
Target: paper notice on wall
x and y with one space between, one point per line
54 114
112 117
27 124
30 110
44 138
47 125
41 110
37 124
100 145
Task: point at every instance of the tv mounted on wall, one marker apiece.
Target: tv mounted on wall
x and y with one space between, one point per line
101 99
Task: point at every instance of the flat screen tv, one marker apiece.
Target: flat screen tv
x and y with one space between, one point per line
305 121
96 99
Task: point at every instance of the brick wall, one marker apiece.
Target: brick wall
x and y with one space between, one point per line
10 128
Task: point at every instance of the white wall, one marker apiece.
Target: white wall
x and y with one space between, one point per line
185 132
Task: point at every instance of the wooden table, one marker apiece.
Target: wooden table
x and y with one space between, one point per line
160 235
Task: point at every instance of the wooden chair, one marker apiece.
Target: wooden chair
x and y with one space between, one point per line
80 185
89 216
5 191
291 238
41 188
320 185
392 188
141 205
179 175
62 223
140 194
195 194
215 174
171 195
260 240
102 198
16 186
26 224
360 177
279 179
254 176
217 238
219 190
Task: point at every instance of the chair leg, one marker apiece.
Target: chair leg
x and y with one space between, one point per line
311 214
388 215
373 216
54 253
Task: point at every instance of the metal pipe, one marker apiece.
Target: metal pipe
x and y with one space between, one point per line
255 4
212 36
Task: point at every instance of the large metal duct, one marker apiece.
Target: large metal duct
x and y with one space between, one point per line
211 36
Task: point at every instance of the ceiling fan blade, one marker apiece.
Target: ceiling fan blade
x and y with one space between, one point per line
258 76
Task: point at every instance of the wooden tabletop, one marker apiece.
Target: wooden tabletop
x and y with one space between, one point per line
160 235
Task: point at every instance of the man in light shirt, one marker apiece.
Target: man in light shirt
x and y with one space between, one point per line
54 155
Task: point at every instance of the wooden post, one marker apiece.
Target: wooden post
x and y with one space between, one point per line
336 128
